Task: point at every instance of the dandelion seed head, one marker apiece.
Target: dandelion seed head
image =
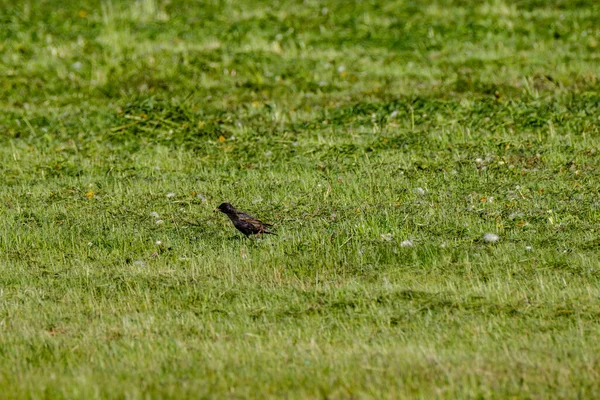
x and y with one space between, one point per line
491 237
388 237
515 215
201 197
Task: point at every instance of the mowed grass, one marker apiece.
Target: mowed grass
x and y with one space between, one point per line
383 139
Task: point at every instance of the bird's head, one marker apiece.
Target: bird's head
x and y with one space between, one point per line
226 208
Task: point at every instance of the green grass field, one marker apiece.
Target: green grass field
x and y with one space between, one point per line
383 138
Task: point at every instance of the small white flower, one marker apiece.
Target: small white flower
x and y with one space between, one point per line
394 113
341 69
160 222
528 248
406 243
90 244
76 65
268 153
491 237
201 197
420 191
387 237
295 144
257 200
154 214
159 242
170 195
156 168
479 160
139 263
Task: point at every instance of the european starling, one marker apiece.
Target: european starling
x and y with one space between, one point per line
243 222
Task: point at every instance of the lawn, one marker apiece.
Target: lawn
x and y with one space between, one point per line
431 169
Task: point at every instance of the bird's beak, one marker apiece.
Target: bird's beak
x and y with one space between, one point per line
217 210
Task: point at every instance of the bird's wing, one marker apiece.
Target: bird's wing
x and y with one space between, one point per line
252 221
258 224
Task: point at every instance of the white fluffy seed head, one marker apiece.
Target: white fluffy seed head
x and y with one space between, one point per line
491 237
388 237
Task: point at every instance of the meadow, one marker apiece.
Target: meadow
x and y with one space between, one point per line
431 169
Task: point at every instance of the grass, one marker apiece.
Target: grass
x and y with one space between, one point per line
383 139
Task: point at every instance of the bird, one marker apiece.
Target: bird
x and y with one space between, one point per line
244 223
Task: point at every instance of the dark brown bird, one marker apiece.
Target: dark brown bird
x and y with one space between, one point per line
243 222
